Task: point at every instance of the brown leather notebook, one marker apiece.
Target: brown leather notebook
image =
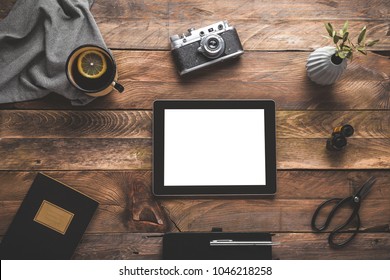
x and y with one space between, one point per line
49 223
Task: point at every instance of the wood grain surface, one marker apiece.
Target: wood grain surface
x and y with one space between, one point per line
303 246
111 187
262 25
115 140
119 154
126 205
138 124
280 76
104 149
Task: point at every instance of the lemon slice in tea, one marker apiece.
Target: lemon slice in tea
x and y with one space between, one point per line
92 64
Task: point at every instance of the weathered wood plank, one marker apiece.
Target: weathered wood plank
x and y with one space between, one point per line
135 154
199 11
148 24
115 187
279 34
75 154
264 10
138 246
108 188
319 124
275 215
309 246
312 154
256 75
119 187
251 67
294 246
75 124
138 124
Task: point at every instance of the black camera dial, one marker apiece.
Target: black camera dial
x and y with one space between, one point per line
212 46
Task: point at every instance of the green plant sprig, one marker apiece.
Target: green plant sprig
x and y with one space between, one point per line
344 46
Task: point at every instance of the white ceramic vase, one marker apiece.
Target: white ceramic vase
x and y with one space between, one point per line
320 67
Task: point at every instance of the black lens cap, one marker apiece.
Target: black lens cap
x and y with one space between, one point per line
347 130
339 141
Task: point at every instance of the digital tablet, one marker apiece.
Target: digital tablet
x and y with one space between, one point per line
214 147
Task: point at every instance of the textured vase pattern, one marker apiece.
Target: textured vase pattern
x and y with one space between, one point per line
320 67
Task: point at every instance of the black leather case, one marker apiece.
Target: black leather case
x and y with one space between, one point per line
196 246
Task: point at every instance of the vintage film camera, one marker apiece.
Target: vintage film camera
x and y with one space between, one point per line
205 46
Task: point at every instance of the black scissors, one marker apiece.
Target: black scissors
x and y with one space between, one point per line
351 201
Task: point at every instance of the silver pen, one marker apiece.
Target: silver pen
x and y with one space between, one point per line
230 242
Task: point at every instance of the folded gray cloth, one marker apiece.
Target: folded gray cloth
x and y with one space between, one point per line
36 39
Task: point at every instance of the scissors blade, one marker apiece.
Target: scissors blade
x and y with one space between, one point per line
366 187
381 228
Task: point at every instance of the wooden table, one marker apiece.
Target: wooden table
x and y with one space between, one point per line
104 148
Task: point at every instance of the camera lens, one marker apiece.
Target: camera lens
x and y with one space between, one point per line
212 46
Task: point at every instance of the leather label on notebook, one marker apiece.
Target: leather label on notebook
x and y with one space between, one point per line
53 217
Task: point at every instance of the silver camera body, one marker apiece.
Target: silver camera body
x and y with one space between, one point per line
205 46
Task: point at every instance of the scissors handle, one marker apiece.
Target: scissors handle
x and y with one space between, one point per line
339 230
339 203
314 226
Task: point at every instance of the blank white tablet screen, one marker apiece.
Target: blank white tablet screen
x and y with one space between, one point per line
214 147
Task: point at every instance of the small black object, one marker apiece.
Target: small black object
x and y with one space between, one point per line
346 130
339 137
336 142
119 87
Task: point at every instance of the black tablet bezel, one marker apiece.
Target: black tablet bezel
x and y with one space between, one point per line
158 187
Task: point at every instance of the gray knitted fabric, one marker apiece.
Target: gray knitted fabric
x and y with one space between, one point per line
36 39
